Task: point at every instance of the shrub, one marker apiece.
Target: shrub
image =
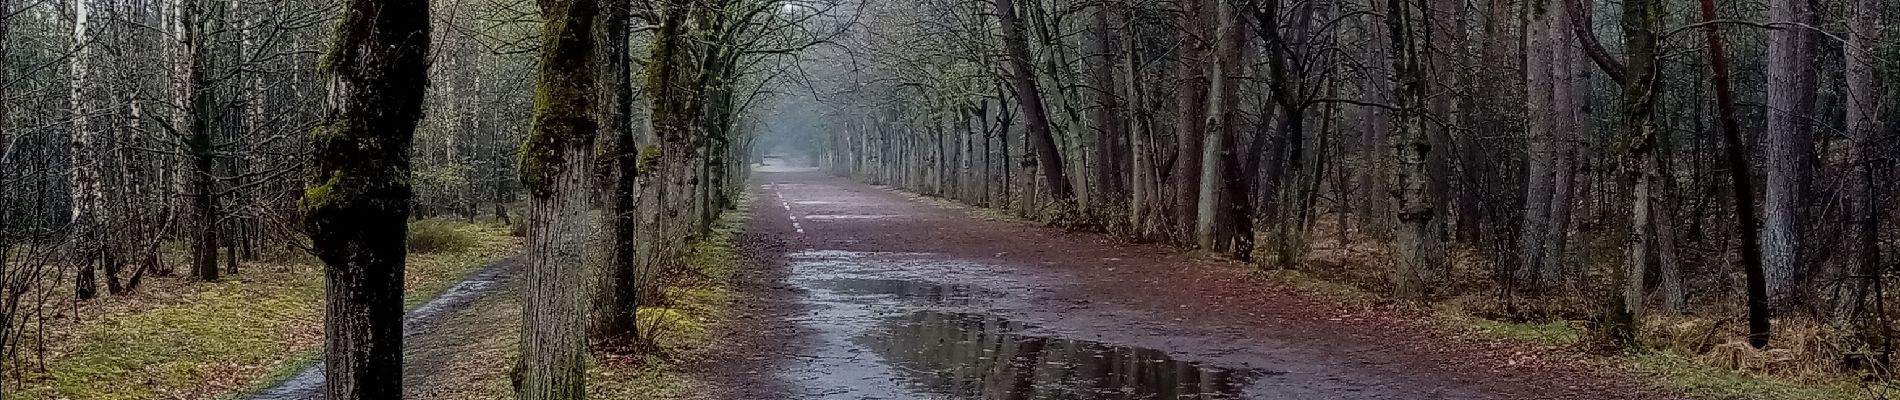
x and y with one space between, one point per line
437 236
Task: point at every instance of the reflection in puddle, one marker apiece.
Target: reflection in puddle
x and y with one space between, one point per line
849 216
930 293
975 356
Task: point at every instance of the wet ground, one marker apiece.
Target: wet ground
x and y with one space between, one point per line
888 331
858 292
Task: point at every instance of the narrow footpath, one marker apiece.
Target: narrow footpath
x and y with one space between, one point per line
428 333
850 291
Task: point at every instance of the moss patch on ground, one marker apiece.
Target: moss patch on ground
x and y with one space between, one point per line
214 340
1555 333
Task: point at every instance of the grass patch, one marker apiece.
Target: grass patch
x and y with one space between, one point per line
1699 379
1550 333
438 236
697 308
480 366
219 339
429 275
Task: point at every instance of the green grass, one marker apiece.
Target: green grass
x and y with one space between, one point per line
696 309
1699 379
230 328
438 236
1550 333
225 337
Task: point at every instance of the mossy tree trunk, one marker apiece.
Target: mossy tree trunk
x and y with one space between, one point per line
1641 21
556 168
357 200
664 162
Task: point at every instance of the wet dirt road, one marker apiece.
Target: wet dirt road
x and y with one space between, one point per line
858 292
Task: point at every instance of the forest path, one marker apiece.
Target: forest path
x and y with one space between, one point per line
857 292
425 331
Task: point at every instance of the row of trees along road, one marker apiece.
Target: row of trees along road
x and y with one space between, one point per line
133 130
1577 159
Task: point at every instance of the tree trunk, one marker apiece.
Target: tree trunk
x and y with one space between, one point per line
1147 208
194 121
663 191
1864 105
1539 170
87 158
1641 88
1190 103
1029 97
1111 129
616 299
1668 260
1287 207
556 168
1214 228
1785 146
1419 254
1736 156
1375 168
356 206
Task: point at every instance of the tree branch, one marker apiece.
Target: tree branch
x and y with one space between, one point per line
1591 45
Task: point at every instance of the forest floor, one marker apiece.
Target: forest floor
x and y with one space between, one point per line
177 338
851 291
468 351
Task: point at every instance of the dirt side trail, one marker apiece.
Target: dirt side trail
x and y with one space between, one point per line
431 333
857 292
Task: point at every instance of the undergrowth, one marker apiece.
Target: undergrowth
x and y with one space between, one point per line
696 304
696 308
438 236
1695 356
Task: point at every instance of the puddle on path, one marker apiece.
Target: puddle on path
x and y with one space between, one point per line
975 356
929 293
849 216
883 330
